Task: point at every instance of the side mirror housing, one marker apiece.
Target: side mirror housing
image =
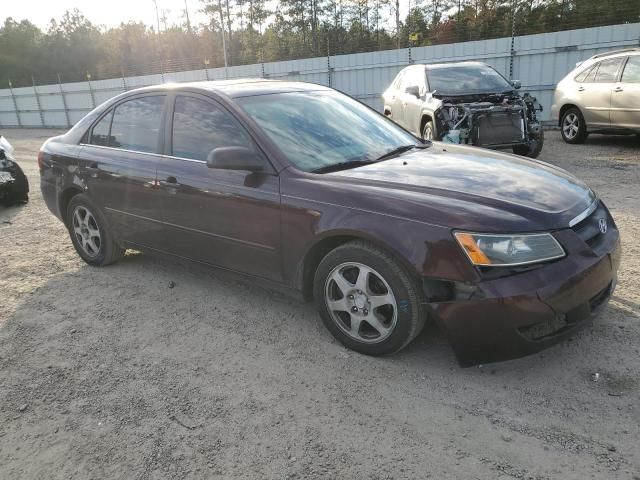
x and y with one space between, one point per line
516 84
413 90
235 158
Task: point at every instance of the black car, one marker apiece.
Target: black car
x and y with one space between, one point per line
14 186
467 103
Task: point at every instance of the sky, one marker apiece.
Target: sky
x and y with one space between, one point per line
111 13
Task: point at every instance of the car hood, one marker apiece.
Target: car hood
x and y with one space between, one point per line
468 187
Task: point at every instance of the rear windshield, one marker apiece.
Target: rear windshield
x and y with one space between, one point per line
460 79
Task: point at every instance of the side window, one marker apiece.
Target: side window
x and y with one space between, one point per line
100 132
199 127
581 77
608 70
136 124
591 76
631 72
398 82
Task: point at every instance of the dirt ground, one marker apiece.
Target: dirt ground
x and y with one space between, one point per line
110 374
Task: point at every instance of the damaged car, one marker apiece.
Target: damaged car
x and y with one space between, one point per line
14 186
466 103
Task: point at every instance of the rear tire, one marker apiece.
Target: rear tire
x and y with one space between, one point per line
573 127
90 233
367 300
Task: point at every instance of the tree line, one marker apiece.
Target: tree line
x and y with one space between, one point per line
256 31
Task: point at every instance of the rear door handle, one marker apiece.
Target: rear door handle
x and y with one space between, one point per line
618 89
581 89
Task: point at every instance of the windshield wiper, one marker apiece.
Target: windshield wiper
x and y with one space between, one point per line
399 151
342 166
359 163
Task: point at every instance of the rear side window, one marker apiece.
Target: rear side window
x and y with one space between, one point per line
200 126
631 72
608 70
100 132
582 76
136 124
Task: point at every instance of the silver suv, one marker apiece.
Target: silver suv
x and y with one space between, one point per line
601 95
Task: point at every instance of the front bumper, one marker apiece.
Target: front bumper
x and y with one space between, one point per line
524 313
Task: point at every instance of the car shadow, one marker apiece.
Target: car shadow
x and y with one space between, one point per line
160 298
630 141
7 213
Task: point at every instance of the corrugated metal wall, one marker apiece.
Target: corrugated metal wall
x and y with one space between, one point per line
539 61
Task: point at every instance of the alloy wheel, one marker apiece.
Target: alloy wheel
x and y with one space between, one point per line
87 232
361 302
571 126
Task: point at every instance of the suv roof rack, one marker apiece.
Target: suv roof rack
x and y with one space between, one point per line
613 52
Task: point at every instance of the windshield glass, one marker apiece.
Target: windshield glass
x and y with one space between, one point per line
467 79
318 129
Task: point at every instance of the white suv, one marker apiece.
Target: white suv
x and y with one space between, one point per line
601 95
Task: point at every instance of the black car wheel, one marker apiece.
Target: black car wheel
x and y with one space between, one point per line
572 126
533 149
368 301
90 234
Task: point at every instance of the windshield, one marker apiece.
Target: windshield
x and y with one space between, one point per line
316 130
459 79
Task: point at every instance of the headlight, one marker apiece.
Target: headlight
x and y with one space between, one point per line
509 250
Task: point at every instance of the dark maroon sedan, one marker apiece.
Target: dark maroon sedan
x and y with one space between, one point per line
306 187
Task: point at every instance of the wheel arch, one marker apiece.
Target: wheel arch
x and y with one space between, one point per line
566 107
332 240
65 198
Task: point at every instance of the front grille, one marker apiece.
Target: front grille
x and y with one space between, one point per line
589 228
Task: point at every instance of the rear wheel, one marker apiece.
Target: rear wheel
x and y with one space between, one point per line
573 127
90 233
367 300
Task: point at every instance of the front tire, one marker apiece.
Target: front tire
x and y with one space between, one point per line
90 233
573 127
532 150
428 131
367 300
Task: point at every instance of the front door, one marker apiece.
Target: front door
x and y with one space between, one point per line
228 218
119 164
625 98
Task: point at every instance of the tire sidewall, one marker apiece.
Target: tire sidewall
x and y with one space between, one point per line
579 138
406 300
106 243
433 131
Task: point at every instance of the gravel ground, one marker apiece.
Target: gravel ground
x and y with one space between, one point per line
108 373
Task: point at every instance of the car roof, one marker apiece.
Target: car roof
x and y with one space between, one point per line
239 87
434 66
624 51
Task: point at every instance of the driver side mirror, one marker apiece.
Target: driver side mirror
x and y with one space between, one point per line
413 90
235 158
516 84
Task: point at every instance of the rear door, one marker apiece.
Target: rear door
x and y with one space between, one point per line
397 109
228 218
596 90
119 162
625 98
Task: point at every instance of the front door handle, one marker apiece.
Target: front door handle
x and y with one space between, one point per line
170 182
581 89
618 89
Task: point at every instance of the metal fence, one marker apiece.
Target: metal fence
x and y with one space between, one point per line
539 61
